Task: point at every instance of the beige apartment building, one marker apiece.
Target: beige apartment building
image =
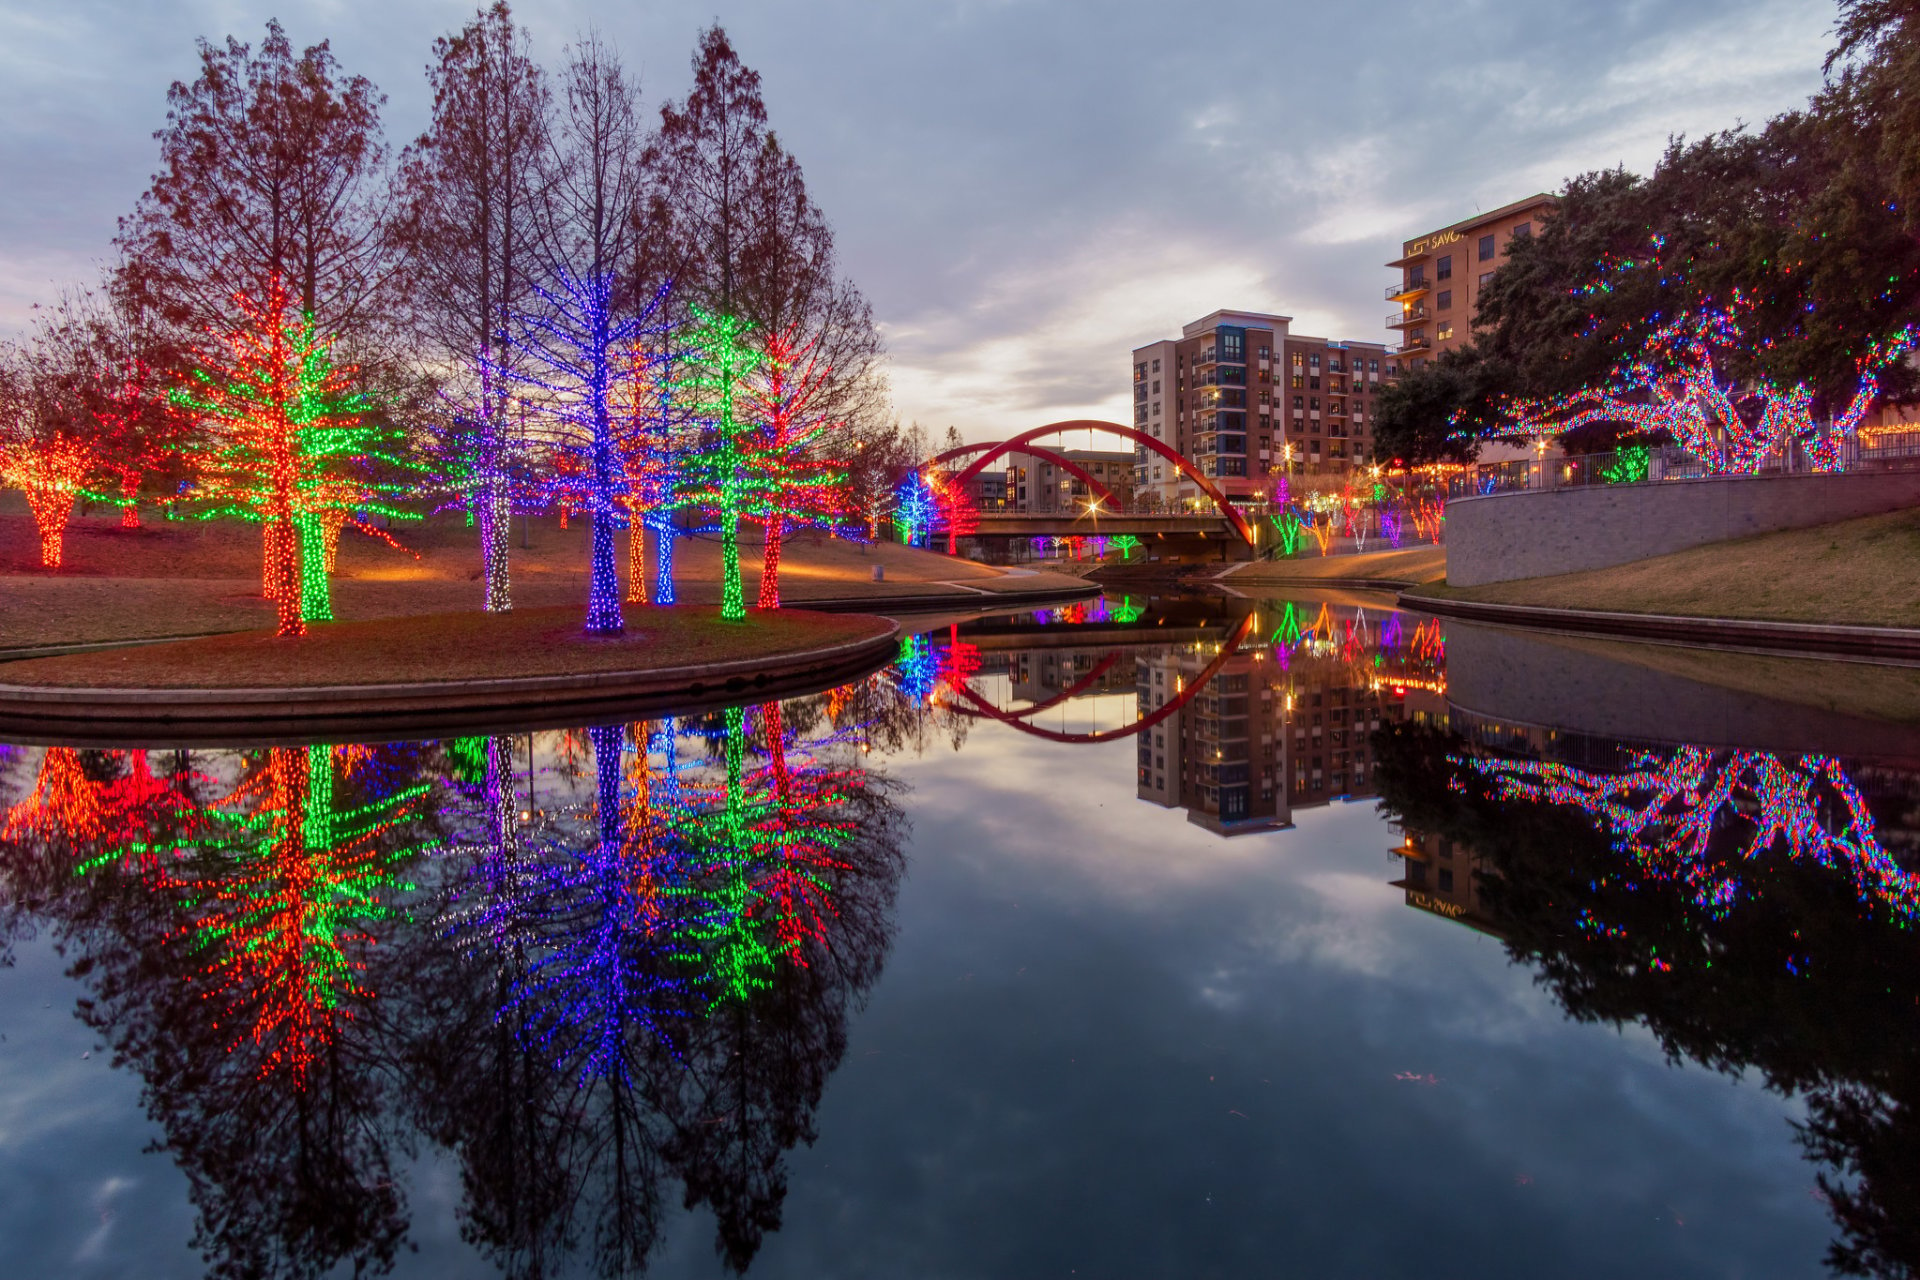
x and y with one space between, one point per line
1443 272
1033 487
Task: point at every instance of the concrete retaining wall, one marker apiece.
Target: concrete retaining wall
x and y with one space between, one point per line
1540 532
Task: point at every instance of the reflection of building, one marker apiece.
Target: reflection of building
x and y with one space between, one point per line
1032 487
1443 272
1219 755
1440 878
1037 675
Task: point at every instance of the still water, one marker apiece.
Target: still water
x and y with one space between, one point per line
1168 937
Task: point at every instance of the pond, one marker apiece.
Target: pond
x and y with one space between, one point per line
1146 937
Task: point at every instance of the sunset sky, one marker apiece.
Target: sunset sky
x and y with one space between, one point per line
1025 190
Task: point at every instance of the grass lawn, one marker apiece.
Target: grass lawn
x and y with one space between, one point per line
450 647
1410 565
181 578
1863 572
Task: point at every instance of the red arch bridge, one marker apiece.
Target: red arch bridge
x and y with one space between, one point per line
1105 514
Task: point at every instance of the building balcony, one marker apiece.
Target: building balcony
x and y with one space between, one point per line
1413 346
1407 315
1409 289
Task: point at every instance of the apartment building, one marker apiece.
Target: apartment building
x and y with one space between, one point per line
1033 487
1326 402
1208 396
1443 272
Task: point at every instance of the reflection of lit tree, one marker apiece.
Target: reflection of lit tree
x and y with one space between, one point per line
229 952
1676 812
1611 891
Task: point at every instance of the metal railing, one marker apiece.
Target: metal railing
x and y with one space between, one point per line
1652 464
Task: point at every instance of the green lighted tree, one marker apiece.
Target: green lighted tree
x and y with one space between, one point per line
289 446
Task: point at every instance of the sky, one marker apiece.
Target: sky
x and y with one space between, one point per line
1025 190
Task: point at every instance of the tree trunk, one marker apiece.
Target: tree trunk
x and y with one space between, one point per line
51 509
663 592
770 564
130 501
316 595
283 574
636 558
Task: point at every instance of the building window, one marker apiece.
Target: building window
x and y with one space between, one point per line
1156 386
1442 332
1299 381
1314 383
1314 361
1484 277
1443 270
1486 248
1522 230
1445 301
1373 366
1156 366
1299 402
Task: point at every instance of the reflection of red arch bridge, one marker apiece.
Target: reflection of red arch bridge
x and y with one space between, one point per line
972 704
1111 519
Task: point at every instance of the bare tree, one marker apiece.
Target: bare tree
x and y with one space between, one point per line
271 165
469 187
730 223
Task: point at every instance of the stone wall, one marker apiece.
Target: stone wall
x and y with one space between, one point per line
1539 532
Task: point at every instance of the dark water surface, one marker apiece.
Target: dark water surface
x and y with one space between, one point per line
1072 944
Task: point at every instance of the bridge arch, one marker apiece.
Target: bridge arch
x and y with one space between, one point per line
1060 460
1185 467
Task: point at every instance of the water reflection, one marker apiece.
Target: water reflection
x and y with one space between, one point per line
590 963
1753 910
606 972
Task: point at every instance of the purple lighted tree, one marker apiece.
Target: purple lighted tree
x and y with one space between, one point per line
573 354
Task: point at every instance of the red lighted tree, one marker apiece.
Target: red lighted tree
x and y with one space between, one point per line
797 484
42 449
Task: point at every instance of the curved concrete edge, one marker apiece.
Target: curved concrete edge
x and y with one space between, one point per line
1884 644
393 712
978 599
881 606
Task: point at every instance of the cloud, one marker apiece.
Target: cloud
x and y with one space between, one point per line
1025 190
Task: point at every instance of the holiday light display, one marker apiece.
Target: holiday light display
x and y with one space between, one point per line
651 445
954 507
1630 465
1126 544
575 350
51 471
288 434
279 896
1713 821
721 362
130 418
789 482
1675 383
1289 526
915 510
481 462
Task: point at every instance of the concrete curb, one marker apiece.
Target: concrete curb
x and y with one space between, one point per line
1884 644
886 606
389 712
